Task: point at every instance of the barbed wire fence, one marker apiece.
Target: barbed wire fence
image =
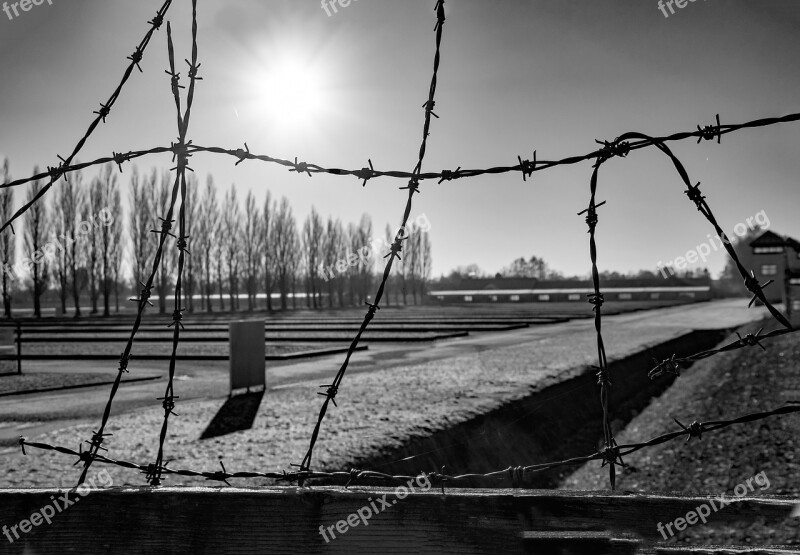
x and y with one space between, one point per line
611 454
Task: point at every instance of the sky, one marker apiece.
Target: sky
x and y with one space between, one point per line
516 75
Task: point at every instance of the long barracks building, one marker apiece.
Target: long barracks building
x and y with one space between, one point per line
503 290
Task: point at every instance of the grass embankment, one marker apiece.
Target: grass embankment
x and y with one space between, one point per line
720 388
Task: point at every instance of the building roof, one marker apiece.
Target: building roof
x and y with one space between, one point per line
525 285
771 239
793 243
573 290
768 239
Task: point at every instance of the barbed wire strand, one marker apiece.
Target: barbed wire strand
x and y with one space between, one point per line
596 299
671 365
693 430
527 167
620 147
117 157
55 173
98 437
695 195
154 475
396 247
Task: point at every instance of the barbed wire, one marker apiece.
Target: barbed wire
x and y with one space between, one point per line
98 436
55 173
116 157
168 400
182 150
396 248
620 148
513 473
697 197
611 451
525 167
671 365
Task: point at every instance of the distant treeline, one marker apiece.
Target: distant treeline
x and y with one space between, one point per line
729 283
80 245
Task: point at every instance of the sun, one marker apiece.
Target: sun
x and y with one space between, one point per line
288 90
289 94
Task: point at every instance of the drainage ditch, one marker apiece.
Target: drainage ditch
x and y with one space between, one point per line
555 422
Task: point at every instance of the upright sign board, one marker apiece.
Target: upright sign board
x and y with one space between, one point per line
247 354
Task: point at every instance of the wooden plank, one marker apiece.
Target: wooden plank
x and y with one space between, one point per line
288 520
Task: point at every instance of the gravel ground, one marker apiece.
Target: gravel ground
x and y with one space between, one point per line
382 409
376 411
718 388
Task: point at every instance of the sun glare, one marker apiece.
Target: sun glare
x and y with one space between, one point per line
289 95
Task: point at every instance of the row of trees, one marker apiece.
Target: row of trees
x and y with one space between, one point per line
537 268
75 244
253 250
238 253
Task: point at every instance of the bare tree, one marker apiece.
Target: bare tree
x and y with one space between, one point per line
285 246
161 200
419 263
94 205
388 239
312 248
353 245
208 220
296 264
61 225
191 212
140 224
200 241
252 237
268 259
116 264
366 259
7 242
104 220
534 268
36 232
112 220
403 267
339 246
77 238
232 228
329 257
425 263
219 264
412 265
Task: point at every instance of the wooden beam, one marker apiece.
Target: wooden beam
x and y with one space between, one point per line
355 520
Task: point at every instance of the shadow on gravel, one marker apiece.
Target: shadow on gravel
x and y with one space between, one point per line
237 414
